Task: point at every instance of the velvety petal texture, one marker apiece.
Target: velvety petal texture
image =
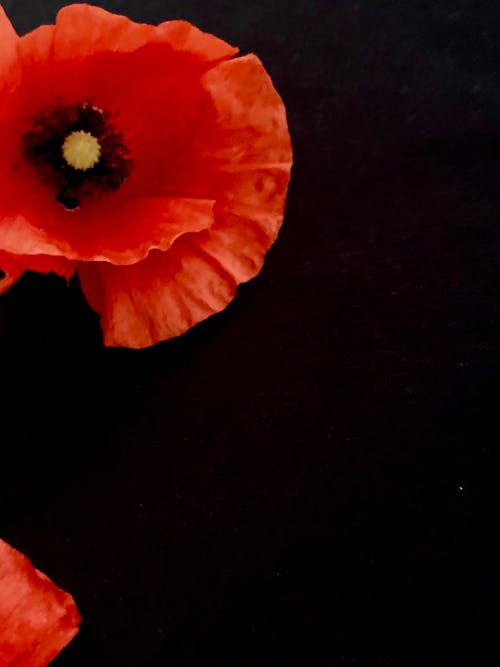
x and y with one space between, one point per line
37 619
210 160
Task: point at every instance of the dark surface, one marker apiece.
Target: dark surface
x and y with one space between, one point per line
310 476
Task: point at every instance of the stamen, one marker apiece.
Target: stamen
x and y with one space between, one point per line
77 150
81 150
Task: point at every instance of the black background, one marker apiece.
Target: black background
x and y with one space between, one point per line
308 478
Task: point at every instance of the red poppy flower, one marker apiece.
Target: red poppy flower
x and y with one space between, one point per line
147 159
37 619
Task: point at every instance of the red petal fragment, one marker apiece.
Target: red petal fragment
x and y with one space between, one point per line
37 619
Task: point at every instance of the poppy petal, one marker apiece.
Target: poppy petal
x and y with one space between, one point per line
249 118
83 29
146 223
158 298
37 619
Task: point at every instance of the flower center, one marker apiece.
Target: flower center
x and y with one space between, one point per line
81 150
77 150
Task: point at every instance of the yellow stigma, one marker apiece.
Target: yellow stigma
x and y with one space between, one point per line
81 150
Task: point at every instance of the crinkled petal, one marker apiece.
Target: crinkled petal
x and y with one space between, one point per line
37 619
248 116
146 223
158 298
82 29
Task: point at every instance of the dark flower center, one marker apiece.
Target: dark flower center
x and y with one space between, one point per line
78 151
